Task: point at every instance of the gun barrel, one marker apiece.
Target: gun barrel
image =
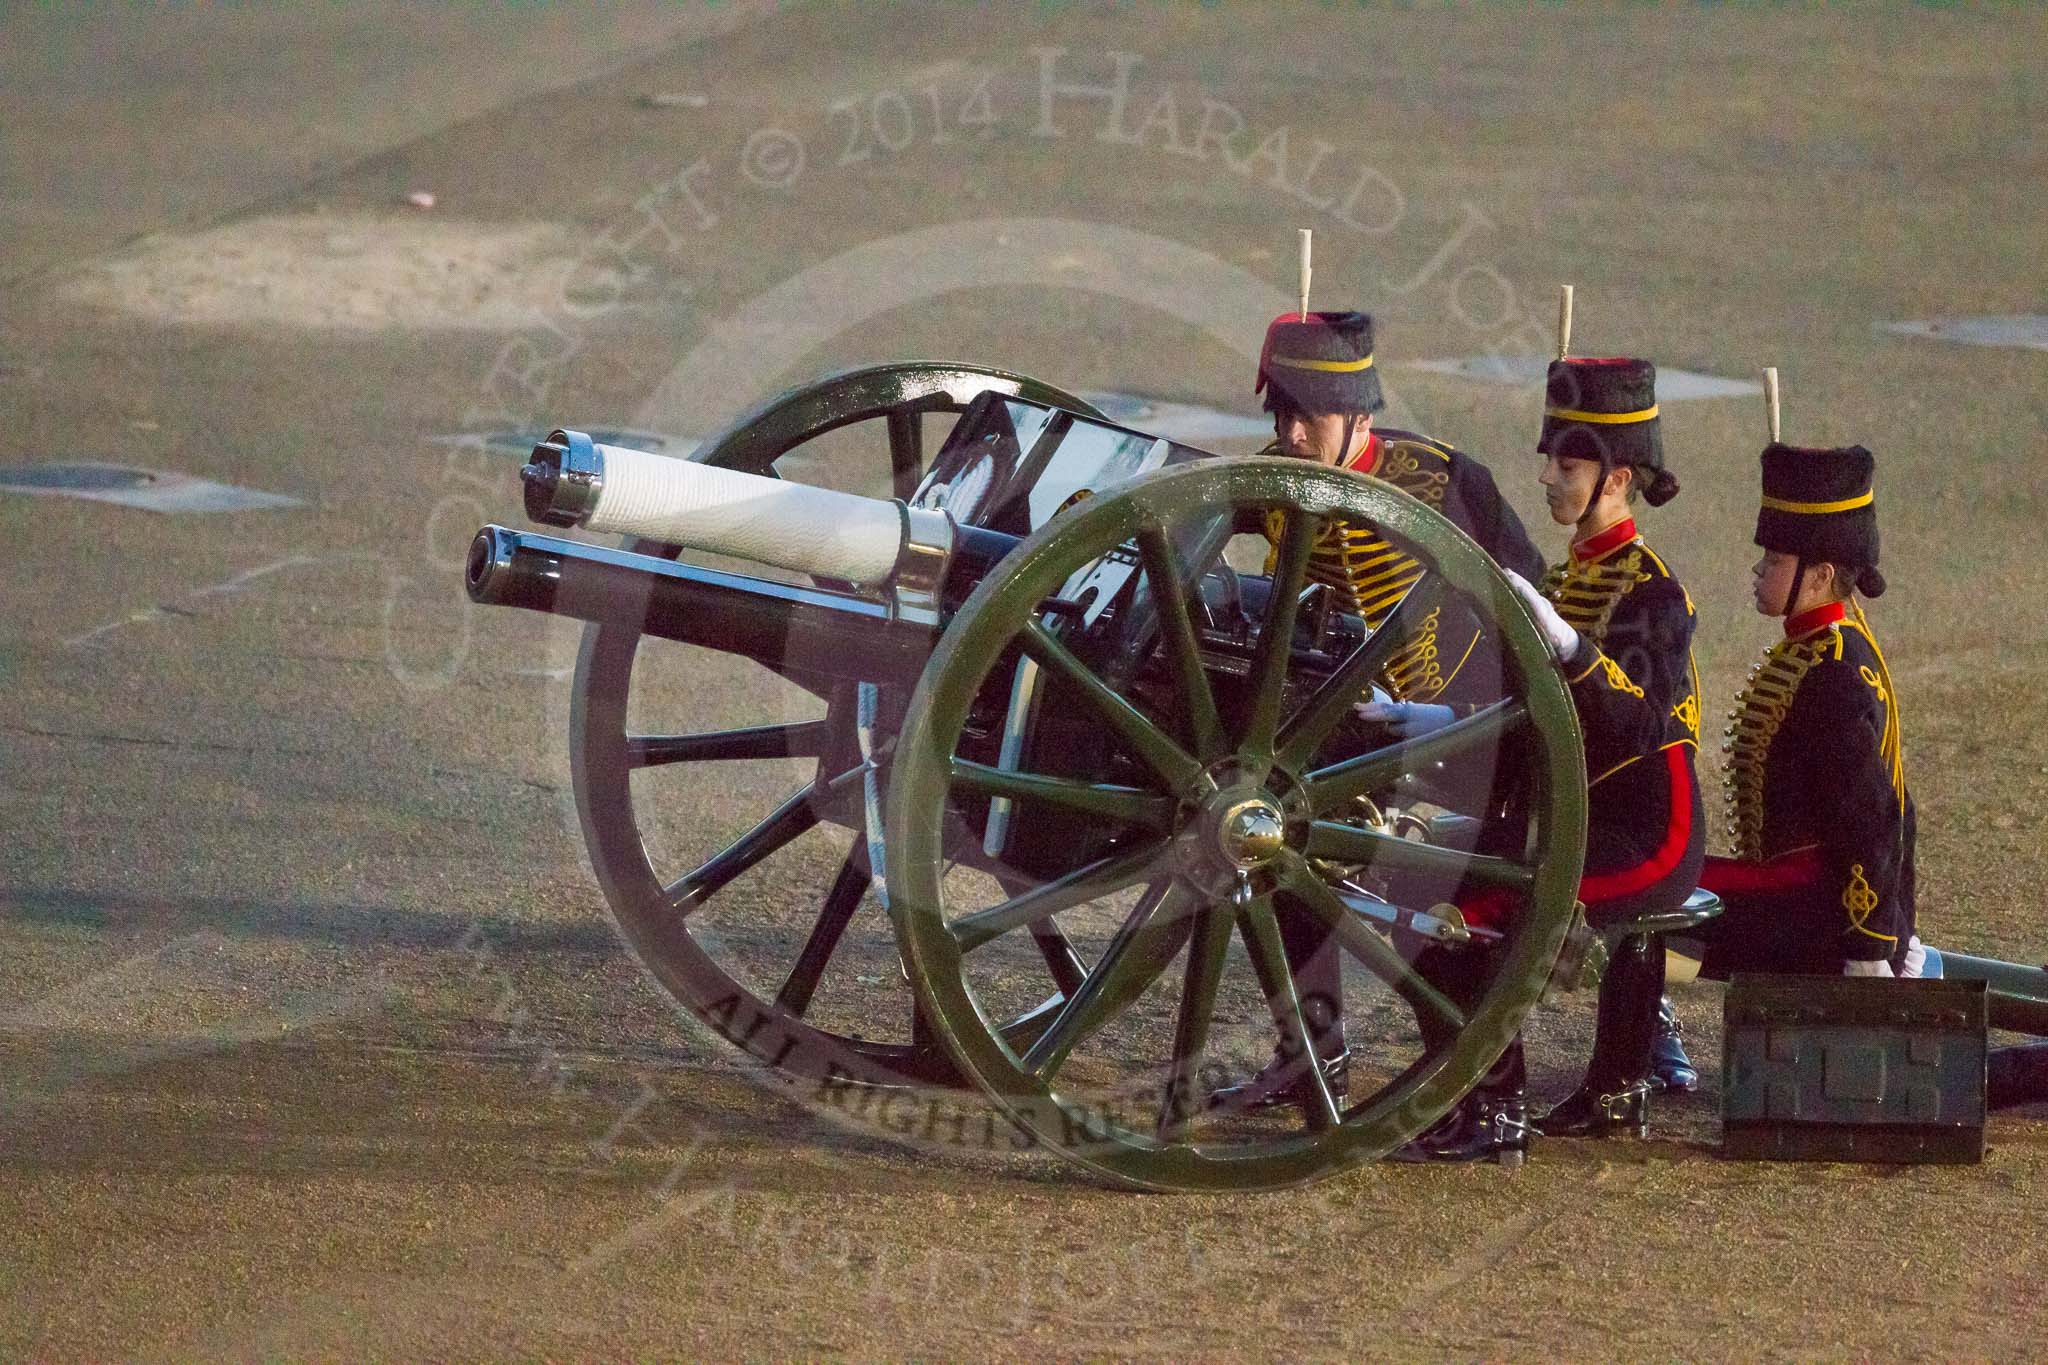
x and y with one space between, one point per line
791 629
574 481
2018 993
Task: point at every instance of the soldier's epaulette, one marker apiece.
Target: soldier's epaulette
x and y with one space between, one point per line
1390 436
1655 562
1417 467
1664 570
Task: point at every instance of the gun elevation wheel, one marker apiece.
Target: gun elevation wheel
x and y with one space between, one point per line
1237 806
717 795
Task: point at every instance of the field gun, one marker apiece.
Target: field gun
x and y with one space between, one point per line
1080 721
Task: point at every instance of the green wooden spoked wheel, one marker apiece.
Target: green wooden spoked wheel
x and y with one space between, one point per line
1234 805
722 801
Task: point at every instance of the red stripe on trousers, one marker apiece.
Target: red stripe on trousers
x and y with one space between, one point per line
1490 906
1607 886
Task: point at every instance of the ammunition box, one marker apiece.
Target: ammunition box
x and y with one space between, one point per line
1853 1069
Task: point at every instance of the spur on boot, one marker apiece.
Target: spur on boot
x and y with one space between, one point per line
1598 1111
1481 1128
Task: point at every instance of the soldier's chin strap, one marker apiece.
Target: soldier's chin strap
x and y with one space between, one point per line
1593 496
1792 593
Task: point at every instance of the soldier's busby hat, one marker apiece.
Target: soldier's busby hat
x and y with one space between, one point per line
1819 504
1321 363
1605 409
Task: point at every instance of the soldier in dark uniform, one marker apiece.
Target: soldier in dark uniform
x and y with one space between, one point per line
1319 383
1822 875
1822 821
1640 706
1621 625
1318 379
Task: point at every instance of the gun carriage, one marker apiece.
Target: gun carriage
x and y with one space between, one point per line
1084 747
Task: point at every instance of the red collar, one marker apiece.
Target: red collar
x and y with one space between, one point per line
1604 542
1816 618
1369 457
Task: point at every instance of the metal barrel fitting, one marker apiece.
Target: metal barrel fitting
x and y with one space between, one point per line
562 479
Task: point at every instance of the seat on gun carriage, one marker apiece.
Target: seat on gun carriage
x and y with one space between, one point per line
1701 906
1631 933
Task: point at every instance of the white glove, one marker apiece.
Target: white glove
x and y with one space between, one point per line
1916 958
1406 719
1877 968
1564 641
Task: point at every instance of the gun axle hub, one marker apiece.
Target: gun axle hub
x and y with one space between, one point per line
1251 833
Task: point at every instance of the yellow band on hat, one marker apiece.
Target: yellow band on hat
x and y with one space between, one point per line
1611 418
1814 508
1329 366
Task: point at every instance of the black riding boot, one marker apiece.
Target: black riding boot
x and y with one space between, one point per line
1312 956
1670 1069
1492 1122
1615 1097
1489 1124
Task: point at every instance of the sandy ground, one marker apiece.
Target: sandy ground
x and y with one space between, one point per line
358 271
126 123
316 1039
